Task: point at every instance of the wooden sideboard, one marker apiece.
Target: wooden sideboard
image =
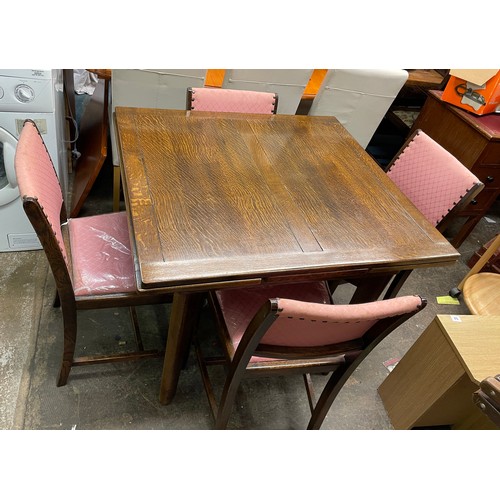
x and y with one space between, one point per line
473 140
434 382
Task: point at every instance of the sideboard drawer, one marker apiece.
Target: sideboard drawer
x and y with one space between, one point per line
491 154
489 175
481 202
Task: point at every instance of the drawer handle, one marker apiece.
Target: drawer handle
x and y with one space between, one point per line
490 178
473 202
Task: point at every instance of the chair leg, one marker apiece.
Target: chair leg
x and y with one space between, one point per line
330 392
116 188
231 386
70 326
207 384
137 330
311 395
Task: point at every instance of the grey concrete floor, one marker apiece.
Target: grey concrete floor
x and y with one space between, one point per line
125 395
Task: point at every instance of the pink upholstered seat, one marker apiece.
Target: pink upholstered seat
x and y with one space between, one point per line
101 255
90 257
284 329
231 101
432 178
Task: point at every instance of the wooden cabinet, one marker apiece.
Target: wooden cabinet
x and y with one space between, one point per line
434 382
475 141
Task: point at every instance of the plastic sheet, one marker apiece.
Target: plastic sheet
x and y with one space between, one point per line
101 255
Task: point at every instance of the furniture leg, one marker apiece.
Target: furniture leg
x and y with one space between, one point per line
370 289
183 318
116 188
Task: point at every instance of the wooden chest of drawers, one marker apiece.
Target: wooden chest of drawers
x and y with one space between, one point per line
473 140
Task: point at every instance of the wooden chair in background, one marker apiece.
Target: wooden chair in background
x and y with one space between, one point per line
231 101
481 291
435 182
90 257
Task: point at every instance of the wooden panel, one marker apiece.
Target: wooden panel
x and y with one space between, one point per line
434 381
491 155
92 144
421 379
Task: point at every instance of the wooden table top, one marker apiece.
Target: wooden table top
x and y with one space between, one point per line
221 197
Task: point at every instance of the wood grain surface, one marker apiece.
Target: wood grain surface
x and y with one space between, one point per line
226 196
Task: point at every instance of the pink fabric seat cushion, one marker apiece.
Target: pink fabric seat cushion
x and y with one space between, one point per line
101 255
232 101
305 324
239 305
36 178
432 178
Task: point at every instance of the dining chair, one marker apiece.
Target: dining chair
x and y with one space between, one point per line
481 290
90 257
231 101
358 98
147 88
289 84
435 182
263 334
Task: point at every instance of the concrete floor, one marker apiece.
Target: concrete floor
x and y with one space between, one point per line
125 395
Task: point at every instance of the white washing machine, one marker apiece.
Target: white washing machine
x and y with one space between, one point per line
38 95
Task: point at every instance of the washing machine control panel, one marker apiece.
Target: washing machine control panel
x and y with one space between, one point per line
21 94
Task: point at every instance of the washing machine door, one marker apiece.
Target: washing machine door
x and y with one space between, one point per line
8 182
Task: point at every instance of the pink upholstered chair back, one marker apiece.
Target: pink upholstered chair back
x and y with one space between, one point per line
37 178
306 324
432 178
231 101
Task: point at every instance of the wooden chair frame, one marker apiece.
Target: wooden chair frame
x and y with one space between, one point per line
400 278
341 359
70 303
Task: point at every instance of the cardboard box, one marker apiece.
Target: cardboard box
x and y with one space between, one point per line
475 90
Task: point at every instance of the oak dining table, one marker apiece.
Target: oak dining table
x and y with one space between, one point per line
226 199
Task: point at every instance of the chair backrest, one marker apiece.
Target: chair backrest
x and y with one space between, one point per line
231 101
287 328
433 179
42 198
150 88
289 84
358 98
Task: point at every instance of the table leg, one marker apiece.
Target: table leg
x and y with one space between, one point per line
183 319
370 289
